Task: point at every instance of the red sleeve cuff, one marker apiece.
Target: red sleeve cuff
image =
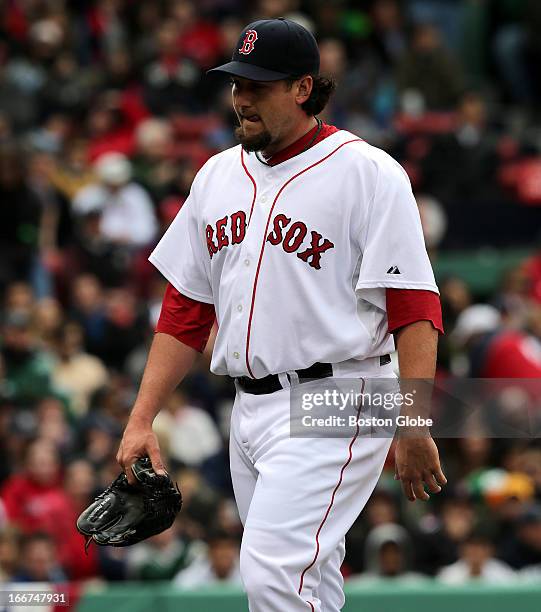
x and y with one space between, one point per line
187 320
405 306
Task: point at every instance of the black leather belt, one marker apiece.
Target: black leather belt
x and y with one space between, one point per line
271 383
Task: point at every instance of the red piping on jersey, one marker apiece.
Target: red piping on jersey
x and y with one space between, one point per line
253 183
329 508
265 237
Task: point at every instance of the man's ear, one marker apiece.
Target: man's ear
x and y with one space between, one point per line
304 89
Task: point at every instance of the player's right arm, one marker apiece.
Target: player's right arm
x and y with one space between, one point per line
168 363
183 329
182 332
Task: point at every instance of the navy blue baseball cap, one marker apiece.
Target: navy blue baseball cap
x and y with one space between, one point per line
273 49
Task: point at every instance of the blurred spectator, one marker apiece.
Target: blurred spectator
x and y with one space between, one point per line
170 79
163 556
34 499
495 352
201 504
513 298
198 39
100 435
125 329
109 128
52 424
154 165
39 562
72 172
473 454
476 562
80 488
381 509
358 85
27 369
117 199
387 554
93 253
428 71
113 563
456 297
19 298
515 47
471 148
189 432
68 86
77 373
48 316
442 534
388 38
220 565
88 309
20 217
523 549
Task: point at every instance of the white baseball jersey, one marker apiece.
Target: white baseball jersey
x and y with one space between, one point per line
296 257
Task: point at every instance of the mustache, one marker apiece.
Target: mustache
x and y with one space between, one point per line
246 114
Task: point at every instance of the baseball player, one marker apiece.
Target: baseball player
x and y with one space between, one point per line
305 243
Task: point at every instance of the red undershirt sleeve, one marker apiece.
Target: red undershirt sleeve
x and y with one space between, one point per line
187 320
405 306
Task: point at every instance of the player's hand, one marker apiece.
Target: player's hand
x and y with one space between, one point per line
417 463
139 441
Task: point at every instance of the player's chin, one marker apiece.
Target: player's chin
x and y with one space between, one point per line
253 139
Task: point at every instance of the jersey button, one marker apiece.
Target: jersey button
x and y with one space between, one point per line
239 308
263 199
236 355
246 262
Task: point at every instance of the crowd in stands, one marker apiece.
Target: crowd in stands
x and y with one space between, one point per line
105 117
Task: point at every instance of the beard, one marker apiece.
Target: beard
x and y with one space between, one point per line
257 142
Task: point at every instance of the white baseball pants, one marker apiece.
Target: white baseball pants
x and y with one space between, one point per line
297 498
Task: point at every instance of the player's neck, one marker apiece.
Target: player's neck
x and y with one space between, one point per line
300 130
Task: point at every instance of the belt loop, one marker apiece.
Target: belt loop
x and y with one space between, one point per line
293 378
284 380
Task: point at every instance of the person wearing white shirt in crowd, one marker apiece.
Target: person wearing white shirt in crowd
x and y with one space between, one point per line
126 210
189 432
219 566
476 563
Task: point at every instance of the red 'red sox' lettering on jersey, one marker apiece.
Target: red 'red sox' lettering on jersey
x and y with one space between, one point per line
291 240
237 229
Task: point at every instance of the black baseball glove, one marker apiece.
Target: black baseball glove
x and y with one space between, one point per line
125 514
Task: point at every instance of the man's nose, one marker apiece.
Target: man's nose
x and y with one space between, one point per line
242 99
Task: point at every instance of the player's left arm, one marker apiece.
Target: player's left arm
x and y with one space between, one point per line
416 455
394 257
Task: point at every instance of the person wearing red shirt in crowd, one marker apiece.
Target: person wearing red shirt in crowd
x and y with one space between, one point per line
493 350
35 501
